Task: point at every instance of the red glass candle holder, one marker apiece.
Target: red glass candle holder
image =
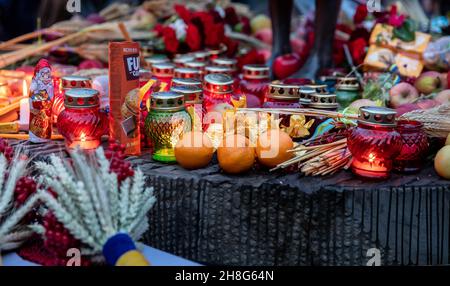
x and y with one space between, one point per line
187 73
80 123
374 143
282 96
61 86
254 84
193 102
181 60
163 73
414 149
217 90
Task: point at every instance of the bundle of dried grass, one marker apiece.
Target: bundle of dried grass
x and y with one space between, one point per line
436 121
319 159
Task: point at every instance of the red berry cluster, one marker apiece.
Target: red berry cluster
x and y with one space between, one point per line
58 240
25 187
6 149
116 155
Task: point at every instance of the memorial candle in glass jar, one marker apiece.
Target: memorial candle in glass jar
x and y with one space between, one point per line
67 83
414 149
254 84
181 60
187 73
166 123
347 91
80 123
374 143
217 92
186 82
163 73
193 99
282 96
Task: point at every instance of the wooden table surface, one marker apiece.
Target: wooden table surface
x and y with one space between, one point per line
263 218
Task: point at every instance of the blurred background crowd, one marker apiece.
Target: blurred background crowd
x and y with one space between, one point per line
18 17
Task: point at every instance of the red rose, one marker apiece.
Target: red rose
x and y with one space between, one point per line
193 38
159 30
214 35
394 19
361 14
170 40
231 17
358 50
232 46
183 12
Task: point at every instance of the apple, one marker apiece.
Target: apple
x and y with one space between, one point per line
428 103
447 142
405 108
260 22
286 65
428 82
442 162
357 104
402 93
443 96
264 35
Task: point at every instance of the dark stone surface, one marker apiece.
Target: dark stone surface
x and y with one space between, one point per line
285 219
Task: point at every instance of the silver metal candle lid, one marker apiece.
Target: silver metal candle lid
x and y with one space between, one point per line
375 115
74 81
319 88
347 83
186 72
256 71
323 101
225 62
157 59
167 101
218 83
81 98
305 94
186 82
192 94
283 91
163 69
218 70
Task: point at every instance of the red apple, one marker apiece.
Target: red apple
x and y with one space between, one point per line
443 96
405 108
286 65
402 93
428 82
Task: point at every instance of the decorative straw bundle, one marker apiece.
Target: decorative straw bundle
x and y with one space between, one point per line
12 233
103 214
436 121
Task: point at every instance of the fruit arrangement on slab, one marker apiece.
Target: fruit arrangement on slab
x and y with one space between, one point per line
197 90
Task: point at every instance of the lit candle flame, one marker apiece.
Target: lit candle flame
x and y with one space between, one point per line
83 137
24 89
372 158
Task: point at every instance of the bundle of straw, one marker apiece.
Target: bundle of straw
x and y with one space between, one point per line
436 121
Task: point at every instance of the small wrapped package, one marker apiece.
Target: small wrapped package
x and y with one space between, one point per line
382 35
124 95
41 99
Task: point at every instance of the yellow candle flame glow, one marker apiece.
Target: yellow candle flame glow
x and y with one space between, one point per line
83 137
24 89
371 158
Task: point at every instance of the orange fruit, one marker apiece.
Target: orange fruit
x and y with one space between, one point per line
442 162
272 147
194 150
235 154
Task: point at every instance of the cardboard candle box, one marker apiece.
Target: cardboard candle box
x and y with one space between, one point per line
124 95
